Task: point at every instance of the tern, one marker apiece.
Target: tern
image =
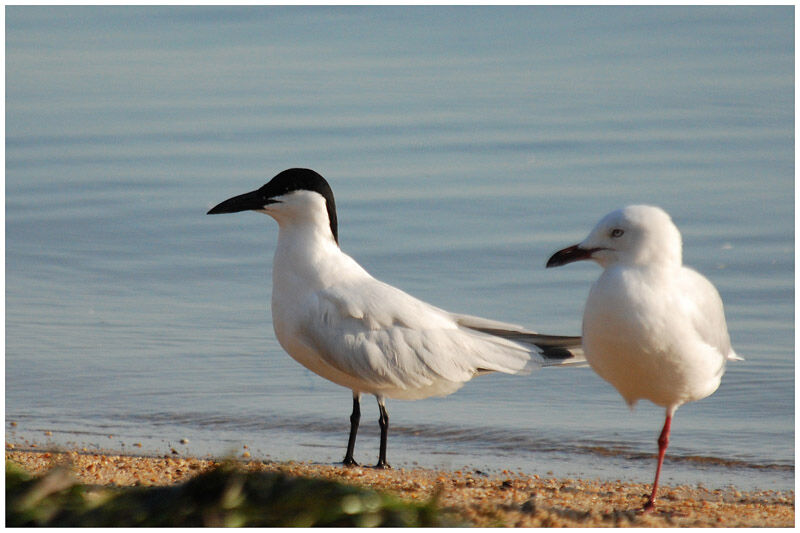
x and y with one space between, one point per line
652 327
338 321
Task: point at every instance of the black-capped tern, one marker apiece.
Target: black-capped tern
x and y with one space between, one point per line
338 321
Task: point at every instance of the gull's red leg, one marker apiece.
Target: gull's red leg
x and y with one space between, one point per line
663 442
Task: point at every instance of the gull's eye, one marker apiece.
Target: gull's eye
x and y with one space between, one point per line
616 233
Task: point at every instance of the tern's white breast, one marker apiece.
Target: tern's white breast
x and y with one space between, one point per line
341 323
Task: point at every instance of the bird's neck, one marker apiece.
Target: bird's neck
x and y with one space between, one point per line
303 247
654 271
307 258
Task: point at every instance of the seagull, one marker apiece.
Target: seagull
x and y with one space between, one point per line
652 327
335 319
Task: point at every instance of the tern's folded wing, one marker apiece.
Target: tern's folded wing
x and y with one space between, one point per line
389 338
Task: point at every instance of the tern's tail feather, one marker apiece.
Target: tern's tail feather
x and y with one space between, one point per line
555 350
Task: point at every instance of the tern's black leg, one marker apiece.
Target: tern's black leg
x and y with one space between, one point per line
355 417
383 421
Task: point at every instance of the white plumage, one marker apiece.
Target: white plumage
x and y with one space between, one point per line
652 327
387 343
338 321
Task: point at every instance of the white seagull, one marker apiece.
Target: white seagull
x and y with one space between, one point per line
652 327
338 321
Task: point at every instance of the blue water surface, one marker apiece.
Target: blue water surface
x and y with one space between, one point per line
464 145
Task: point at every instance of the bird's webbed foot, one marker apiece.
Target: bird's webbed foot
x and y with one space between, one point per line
382 465
349 461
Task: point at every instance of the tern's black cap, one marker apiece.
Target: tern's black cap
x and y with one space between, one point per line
290 180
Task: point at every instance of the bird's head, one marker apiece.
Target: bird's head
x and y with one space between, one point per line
634 235
293 196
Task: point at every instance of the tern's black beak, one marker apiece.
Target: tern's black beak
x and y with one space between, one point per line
244 202
569 255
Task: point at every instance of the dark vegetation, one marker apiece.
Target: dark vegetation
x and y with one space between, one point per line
225 496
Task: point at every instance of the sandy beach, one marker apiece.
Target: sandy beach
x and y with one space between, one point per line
511 499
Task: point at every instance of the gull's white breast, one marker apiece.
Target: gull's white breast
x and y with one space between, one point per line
656 334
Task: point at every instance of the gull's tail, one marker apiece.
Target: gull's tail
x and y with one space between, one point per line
732 356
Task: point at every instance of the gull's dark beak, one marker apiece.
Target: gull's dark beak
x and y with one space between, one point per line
570 255
244 202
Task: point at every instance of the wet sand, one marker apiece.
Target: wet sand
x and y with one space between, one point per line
512 499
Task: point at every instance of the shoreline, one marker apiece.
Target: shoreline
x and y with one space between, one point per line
507 498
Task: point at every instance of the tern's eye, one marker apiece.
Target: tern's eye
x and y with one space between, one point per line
616 233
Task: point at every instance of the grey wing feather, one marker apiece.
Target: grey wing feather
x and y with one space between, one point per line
392 339
556 350
708 315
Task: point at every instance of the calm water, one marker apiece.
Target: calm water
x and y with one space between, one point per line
464 146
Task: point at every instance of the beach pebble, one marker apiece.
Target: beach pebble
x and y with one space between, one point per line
487 501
